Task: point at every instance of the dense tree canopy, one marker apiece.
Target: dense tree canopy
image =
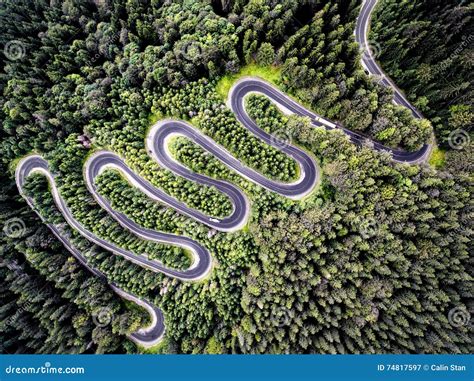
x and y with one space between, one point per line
427 47
374 260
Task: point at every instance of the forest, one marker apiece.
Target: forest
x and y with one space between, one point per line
377 259
438 81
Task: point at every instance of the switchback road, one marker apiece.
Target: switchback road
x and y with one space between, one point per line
157 142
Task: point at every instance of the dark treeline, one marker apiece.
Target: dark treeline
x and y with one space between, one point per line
50 302
373 261
427 47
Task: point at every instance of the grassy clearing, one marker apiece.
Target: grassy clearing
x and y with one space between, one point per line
132 306
154 117
437 158
271 74
160 348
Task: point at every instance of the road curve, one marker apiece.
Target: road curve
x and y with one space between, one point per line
371 66
368 60
161 131
199 269
249 85
157 141
146 336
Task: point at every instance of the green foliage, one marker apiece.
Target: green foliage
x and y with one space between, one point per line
321 67
371 262
266 54
374 269
438 158
49 299
270 74
426 48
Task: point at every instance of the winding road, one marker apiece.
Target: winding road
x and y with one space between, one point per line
289 106
146 336
368 60
157 143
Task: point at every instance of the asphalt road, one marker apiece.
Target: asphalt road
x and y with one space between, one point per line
368 60
156 143
254 85
371 66
202 261
157 147
146 336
